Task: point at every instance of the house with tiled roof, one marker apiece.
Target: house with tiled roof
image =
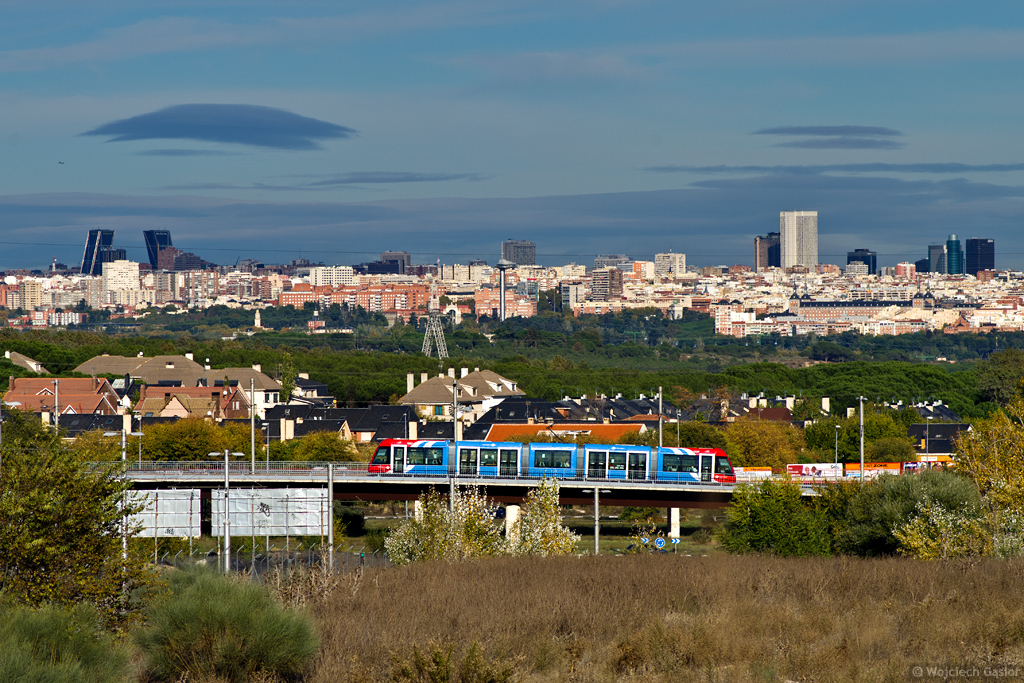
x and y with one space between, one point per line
184 371
475 392
78 396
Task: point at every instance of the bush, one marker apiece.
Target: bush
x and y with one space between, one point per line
213 626
890 502
772 517
350 520
62 646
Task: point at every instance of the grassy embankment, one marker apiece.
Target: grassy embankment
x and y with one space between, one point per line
672 618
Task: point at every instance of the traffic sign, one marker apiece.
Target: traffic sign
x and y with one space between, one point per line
675 540
659 542
644 540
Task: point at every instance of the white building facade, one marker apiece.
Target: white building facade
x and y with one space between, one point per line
798 237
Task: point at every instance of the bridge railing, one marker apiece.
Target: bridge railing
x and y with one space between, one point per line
317 471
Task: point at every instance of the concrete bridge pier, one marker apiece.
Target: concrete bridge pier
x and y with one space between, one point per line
673 522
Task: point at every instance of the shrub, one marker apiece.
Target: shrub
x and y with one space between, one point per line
772 517
62 646
890 502
212 626
935 533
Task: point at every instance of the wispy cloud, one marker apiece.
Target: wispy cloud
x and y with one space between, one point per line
836 137
343 180
185 153
243 124
388 177
841 142
813 169
844 131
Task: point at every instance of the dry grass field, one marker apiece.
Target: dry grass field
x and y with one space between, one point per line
671 618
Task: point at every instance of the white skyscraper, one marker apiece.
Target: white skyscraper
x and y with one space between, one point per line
798 235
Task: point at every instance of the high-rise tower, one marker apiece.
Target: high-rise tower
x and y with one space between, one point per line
981 255
954 256
798 238
97 242
767 252
155 241
519 252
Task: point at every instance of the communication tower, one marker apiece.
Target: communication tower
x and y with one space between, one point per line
435 331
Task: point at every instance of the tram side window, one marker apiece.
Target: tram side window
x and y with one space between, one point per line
722 465
616 461
381 456
488 457
509 457
556 459
426 456
679 463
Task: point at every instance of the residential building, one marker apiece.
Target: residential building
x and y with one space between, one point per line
980 255
798 238
30 294
906 270
573 294
332 276
767 252
610 260
519 252
606 284
669 265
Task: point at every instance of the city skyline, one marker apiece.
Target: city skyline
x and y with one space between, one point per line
588 127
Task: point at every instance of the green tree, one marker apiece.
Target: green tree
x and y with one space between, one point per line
539 530
192 438
936 533
1000 377
756 443
772 517
992 455
61 526
440 531
890 449
888 503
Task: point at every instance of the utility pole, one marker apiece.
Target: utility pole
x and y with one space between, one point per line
862 441
252 420
659 420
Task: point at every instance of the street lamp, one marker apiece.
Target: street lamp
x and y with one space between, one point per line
597 517
837 443
227 516
124 496
927 430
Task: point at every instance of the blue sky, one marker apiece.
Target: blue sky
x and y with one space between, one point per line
337 130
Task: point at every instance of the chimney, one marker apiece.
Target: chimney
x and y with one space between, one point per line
423 377
190 356
476 369
826 405
207 366
169 365
465 371
303 375
257 367
451 372
409 384
791 402
413 426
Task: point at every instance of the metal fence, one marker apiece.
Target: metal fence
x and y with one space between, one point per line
259 562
